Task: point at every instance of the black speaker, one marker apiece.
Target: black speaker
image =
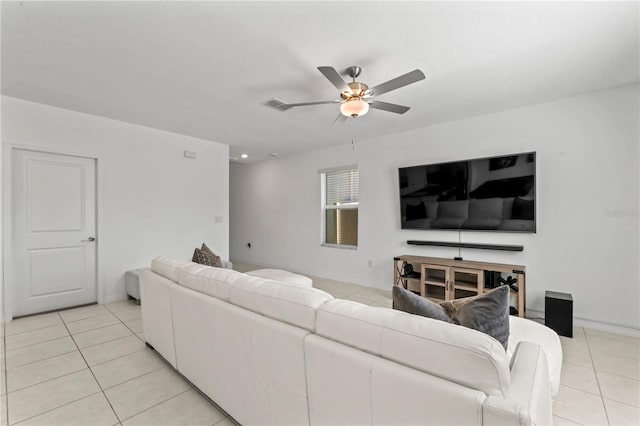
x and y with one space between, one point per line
558 312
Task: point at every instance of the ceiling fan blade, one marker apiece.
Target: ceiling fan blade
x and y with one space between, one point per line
340 119
312 103
386 106
335 79
398 82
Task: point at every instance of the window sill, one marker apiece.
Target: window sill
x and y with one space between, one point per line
339 246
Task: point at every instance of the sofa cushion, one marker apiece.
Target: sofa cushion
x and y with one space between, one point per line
523 209
406 301
416 211
487 223
282 276
448 222
429 345
457 209
485 208
432 209
507 208
168 267
289 303
212 281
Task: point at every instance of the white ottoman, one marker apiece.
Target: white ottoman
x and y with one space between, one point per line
283 276
133 284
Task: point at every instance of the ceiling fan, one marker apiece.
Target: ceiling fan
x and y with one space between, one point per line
356 97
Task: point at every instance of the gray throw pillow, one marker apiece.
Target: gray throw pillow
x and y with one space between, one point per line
404 300
488 312
204 258
218 261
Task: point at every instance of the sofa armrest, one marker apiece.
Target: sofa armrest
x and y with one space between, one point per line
529 399
227 264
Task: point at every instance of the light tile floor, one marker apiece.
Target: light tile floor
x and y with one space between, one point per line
89 366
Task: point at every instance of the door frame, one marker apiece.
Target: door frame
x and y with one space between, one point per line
8 147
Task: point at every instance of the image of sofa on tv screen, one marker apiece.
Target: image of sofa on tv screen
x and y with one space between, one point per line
515 213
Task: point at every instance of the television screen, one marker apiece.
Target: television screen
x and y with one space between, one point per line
487 194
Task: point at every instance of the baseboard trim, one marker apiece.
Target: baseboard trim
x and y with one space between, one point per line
595 325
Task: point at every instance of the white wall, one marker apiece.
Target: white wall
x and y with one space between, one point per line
152 201
587 242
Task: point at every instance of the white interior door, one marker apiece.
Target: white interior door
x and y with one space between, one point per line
54 230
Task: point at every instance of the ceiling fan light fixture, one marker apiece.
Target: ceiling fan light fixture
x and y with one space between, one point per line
354 108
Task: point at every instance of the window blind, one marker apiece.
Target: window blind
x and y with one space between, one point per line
340 207
342 187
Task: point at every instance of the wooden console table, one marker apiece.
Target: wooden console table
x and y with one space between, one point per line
440 279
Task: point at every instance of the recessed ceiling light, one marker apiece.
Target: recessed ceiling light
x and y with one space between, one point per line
273 154
244 155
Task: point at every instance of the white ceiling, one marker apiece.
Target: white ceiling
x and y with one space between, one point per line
206 69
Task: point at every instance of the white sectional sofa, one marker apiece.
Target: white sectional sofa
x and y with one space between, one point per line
278 353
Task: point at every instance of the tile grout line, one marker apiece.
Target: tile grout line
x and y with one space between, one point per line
42 359
91 369
125 324
118 357
159 403
569 420
5 372
595 373
93 329
34 329
48 380
31 344
164 366
133 378
106 341
94 376
55 408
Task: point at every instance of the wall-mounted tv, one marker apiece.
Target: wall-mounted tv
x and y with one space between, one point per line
487 194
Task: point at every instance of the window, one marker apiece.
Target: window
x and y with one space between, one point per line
339 190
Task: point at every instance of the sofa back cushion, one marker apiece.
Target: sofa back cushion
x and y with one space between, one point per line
507 207
449 351
486 208
212 281
457 209
523 209
432 209
168 267
292 304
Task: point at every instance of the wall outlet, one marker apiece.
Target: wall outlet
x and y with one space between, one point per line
218 219
190 154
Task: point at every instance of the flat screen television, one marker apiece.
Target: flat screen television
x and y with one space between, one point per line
485 194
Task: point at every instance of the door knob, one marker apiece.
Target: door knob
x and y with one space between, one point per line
90 239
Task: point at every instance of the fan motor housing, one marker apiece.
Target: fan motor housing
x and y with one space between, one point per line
358 90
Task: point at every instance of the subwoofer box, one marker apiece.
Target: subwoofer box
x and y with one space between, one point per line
558 312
